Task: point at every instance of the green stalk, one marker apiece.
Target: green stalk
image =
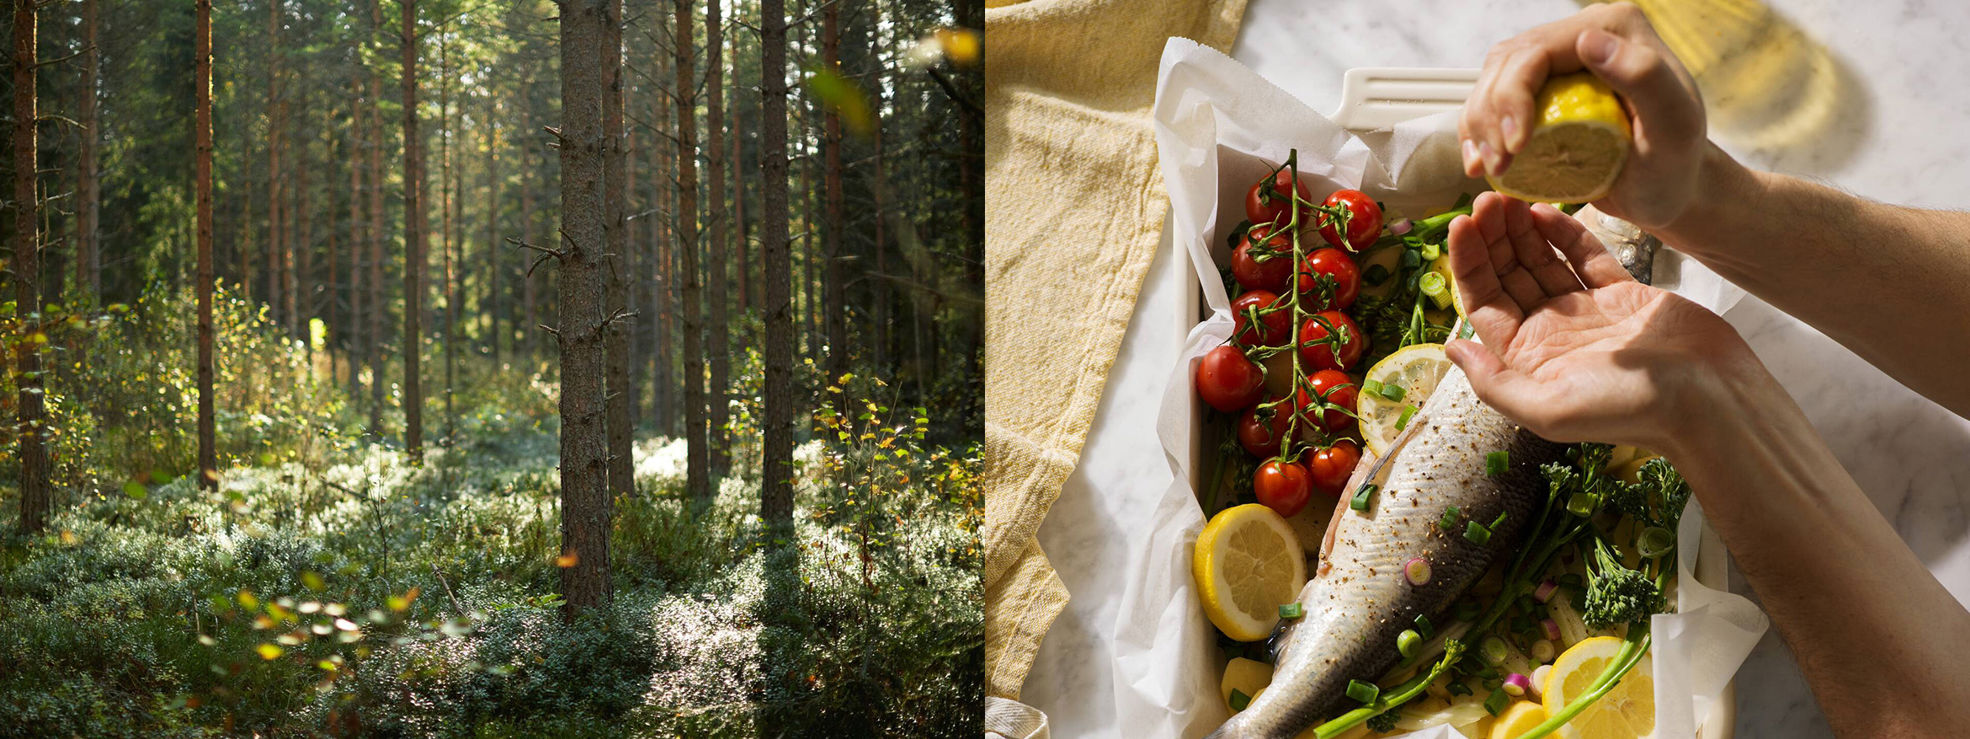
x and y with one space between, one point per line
1630 655
1453 651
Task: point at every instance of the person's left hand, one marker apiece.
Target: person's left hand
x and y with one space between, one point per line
1574 348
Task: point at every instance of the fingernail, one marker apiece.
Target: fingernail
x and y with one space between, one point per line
1510 127
1490 157
1600 47
1470 155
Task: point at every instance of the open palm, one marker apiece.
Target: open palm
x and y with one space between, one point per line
1573 347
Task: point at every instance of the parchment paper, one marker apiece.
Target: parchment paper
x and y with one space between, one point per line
1217 121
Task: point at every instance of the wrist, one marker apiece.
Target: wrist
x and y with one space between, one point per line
1718 384
1721 193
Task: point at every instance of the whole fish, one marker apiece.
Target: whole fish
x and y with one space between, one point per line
1359 599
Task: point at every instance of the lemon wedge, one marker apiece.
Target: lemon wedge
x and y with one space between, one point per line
1416 369
1577 147
1517 720
1246 564
1625 712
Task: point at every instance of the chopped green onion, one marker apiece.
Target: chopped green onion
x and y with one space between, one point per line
1403 422
1476 533
1364 692
1431 283
1239 700
1459 688
1423 626
1655 542
1499 521
1496 703
1291 610
1411 259
1392 392
1583 504
1450 518
1372 387
1431 251
1417 570
1466 331
1517 685
1375 275
1496 462
1493 650
1408 642
1362 497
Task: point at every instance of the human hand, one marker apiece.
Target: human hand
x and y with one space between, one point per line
1614 41
1574 348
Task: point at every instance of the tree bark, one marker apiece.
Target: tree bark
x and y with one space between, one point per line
585 500
88 257
276 257
376 308
354 343
663 299
413 241
776 497
718 343
834 310
208 466
31 429
448 194
697 478
529 307
300 291
740 229
493 307
616 298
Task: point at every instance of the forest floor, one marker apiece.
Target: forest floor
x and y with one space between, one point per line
348 592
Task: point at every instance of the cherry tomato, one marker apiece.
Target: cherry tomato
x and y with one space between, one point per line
1261 437
1265 204
1336 388
1364 222
1321 355
1331 467
1228 381
1273 329
1337 265
1283 486
1270 274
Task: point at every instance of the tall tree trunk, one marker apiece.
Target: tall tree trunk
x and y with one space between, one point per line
276 257
529 307
493 305
355 345
413 242
585 499
718 344
740 228
300 288
616 296
88 257
697 478
31 429
208 466
330 297
448 193
376 307
832 304
776 497
663 298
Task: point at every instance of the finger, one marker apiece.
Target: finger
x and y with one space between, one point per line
1589 258
1492 313
1646 77
1536 254
1489 214
1512 93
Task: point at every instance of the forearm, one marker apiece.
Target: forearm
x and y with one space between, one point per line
1874 632
1891 284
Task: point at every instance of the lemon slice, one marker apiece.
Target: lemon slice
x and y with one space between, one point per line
1517 720
1247 563
1416 369
1577 147
1247 676
1626 712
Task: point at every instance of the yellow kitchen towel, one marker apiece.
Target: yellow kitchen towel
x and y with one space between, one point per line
1073 213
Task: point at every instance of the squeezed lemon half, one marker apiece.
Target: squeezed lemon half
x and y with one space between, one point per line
1578 144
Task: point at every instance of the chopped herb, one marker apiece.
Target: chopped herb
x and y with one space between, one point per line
1392 392
1408 642
1372 387
1362 496
1496 703
1364 692
1431 251
1423 626
1291 610
1459 688
1451 515
1466 331
1476 533
1499 521
1375 275
1496 462
1403 422
1583 504
1239 700
1411 259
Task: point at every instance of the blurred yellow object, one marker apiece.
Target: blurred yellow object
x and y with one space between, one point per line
1577 147
1247 676
960 45
1517 720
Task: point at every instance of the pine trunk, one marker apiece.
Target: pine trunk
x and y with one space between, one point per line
354 344
697 478
376 308
740 229
585 499
276 272
208 467
88 257
718 343
448 195
834 309
413 242
616 297
36 497
776 467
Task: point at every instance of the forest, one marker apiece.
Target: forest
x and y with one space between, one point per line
492 368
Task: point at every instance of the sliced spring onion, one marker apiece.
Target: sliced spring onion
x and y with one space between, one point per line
1411 259
1499 521
1543 650
1451 515
1372 387
1545 591
1364 692
1655 542
1431 251
1583 504
1539 677
1392 392
1496 703
1459 688
1476 533
1496 462
1417 570
1403 421
1362 497
1431 284
1550 628
1408 642
1401 226
1493 650
1517 685
1291 610
1424 627
1239 700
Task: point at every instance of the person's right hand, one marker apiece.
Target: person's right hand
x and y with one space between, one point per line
1574 348
1616 44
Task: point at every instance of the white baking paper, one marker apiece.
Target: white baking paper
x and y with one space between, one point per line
1217 121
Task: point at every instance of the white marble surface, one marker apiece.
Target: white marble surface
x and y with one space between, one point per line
1894 131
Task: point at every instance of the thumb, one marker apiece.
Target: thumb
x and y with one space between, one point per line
1497 385
1646 77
